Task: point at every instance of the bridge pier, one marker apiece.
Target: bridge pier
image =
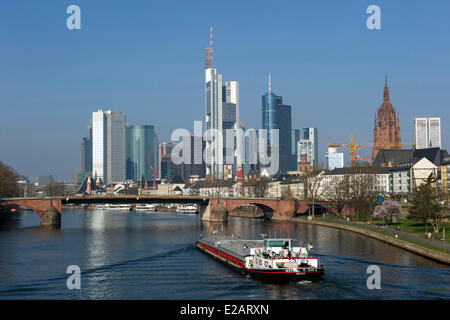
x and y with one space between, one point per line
48 210
217 213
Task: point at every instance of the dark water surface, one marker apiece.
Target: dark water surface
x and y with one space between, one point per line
128 255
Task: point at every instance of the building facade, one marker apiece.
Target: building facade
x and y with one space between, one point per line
427 133
334 159
108 146
276 115
86 153
309 144
295 138
142 154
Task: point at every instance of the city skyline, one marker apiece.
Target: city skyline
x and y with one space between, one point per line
327 86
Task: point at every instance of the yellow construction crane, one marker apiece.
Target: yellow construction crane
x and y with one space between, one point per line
354 146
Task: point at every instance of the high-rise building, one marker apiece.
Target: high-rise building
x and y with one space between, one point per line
214 118
421 133
427 133
386 133
334 159
108 146
231 123
222 113
276 115
294 141
86 153
164 155
434 128
309 144
194 147
142 154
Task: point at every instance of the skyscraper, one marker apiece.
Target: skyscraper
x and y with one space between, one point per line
213 104
276 115
230 117
86 152
108 146
99 145
309 145
164 156
427 133
386 133
193 146
222 113
434 127
421 133
294 140
143 153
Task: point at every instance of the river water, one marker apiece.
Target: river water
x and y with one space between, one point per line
129 255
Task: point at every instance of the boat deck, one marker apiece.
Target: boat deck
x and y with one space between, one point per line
232 245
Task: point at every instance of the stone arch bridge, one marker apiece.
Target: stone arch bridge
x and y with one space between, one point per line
211 209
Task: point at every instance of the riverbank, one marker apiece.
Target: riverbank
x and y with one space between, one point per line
407 244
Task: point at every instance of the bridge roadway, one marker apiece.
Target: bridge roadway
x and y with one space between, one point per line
212 209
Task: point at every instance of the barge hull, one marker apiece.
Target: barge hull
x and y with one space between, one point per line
237 263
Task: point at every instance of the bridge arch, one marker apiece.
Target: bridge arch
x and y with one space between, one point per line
48 210
275 209
268 211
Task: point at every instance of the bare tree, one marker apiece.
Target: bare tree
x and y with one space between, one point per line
8 181
338 191
314 190
256 186
216 188
287 193
363 190
55 189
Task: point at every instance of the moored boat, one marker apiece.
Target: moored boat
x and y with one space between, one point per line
145 207
109 206
274 259
192 209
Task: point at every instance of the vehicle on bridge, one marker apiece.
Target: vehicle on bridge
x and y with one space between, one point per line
267 259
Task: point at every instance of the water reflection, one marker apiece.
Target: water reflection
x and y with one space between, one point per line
128 255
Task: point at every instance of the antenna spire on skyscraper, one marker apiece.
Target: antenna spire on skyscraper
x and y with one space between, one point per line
210 45
270 84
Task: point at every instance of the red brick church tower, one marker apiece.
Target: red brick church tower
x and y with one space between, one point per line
386 134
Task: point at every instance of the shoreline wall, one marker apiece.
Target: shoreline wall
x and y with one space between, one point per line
429 253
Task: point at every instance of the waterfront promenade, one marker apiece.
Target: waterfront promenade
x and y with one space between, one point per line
431 248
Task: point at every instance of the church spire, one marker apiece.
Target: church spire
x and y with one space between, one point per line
386 90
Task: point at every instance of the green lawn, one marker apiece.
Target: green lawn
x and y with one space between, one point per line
419 228
405 225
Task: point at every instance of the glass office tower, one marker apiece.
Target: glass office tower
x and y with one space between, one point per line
142 141
276 115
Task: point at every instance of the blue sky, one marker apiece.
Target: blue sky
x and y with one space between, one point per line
146 58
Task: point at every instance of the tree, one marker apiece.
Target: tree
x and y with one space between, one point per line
388 210
338 191
314 190
8 181
425 204
363 190
256 186
287 193
55 189
216 188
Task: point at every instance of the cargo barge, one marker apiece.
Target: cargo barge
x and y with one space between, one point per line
269 259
